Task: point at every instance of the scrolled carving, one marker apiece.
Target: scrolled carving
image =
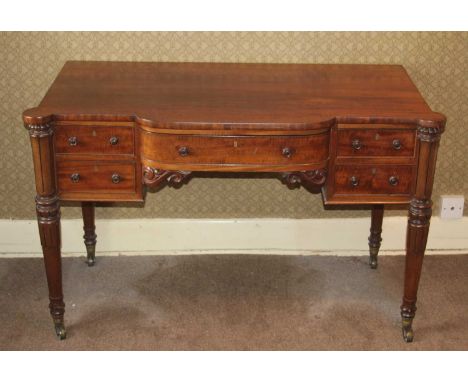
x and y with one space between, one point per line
177 177
154 177
309 179
39 131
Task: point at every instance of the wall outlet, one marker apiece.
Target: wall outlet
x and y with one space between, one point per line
451 206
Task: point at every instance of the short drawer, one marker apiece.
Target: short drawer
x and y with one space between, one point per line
376 142
368 179
110 140
111 177
225 150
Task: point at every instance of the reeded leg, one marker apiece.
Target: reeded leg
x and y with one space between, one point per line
48 215
419 216
41 132
418 229
89 231
375 237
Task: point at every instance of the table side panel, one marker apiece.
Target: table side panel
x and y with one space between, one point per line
102 149
379 171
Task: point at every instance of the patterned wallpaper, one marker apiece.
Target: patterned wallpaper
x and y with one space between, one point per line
437 63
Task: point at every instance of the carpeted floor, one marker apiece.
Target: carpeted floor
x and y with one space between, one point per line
235 302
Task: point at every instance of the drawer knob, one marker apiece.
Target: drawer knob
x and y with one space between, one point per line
116 178
287 152
356 144
396 144
113 140
393 181
354 181
72 141
75 178
183 151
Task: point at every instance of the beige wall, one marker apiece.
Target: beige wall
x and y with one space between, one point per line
437 62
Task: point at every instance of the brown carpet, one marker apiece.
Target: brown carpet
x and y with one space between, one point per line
235 302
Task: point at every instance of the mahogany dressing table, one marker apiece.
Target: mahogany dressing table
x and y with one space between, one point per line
360 134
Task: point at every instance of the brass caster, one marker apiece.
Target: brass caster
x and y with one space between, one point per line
407 330
90 261
91 257
373 262
60 331
408 334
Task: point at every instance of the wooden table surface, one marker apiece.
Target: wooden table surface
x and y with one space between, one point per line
213 94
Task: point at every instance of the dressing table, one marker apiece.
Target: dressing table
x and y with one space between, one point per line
359 134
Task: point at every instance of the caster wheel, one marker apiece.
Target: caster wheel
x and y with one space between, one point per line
90 262
60 331
90 252
407 329
408 334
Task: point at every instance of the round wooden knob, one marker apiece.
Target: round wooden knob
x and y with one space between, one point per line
72 141
356 144
393 181
354 181
75 178
183 151
287 152
113 140
396 144
116 178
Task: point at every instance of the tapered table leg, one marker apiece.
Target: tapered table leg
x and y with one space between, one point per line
89 231
48 215
375 237
416 239
419 215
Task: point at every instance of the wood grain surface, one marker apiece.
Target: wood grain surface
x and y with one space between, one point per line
226 96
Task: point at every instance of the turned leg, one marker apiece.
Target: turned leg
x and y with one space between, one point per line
419 215
48 215
89 231
416 239
375 237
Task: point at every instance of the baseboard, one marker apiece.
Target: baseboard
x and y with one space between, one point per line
220 236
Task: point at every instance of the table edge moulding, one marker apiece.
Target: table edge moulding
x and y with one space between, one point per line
359 134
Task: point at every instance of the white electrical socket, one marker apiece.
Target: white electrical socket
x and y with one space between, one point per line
451 206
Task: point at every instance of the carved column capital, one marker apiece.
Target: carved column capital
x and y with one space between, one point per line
429 131
40 131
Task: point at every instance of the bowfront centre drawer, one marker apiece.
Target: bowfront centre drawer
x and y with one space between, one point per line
105 140
369 179
91 177
363 142
257 150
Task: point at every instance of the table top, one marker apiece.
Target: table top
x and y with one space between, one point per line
214 95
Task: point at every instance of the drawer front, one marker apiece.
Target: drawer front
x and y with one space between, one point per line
106 140
366 179
376 142
111 177
259 150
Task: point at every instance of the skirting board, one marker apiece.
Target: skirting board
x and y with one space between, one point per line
19 238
